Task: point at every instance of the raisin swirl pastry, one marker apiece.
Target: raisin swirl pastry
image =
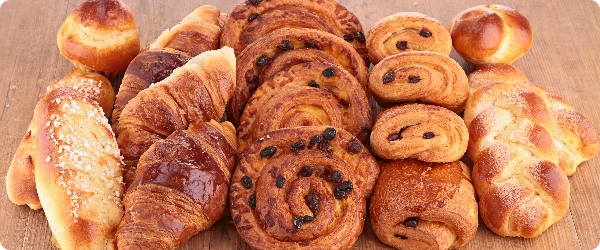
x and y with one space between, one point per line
420 76
302 188
257 58
425 132
251 20
195 92
407 31
197 32
180 188
420 205
307 94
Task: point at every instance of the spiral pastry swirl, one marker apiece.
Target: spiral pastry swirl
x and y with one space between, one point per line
258 57
302 188
425 132
304 96
405 32
420 76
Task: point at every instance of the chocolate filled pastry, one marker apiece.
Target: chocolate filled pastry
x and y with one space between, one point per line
405 32
195 92
254 61
420 76
488 34
419 205
251 20
307 94
302 188
99 36
498 72
425 132
180 188
196 33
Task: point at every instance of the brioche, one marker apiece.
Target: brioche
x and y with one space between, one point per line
498 72
93 86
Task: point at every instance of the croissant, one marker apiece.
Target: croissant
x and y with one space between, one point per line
252 20
407 31
182 180
425 132
303 96
264 53
197 32
420 76
78 171
195 92
302 188
418 205
20 181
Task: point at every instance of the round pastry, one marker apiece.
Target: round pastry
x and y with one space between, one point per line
303 187
258 57
498 72
407 31
251 20
491 34
419 205
420 76
425 132
100 36
304 96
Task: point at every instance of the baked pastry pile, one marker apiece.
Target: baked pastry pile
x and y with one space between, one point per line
292 77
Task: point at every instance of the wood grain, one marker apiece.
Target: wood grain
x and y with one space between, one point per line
564 58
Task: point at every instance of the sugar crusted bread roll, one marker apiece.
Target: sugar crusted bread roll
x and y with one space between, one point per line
302 188
420 76
497 72
419 205
78 171
488 34
425 132
93 86
405 32
100 36
180 188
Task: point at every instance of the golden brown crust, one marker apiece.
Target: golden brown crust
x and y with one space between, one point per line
277 184
418 205
248 22
290 99
491 34
20 177
100 36
180 188
425 132
253 61
92 85
497 72
420 76
405 32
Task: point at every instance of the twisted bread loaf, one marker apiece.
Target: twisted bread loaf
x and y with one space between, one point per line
197 32
195 92
302 188
491 73
303 96
180 188
418 205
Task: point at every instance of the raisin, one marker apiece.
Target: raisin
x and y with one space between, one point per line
388 77
252 201
360 37
252 17
255 2
393 137
313 44
308 218
414 79
314 84
354 147
402 45
262 60
299 145
325 146
349 37
286 45
336 177
268 152
298 221
329 134
411 222
428 135
305 171
401 237
315 140
250 76
425 33
246 182
312 201
280 181
329 72
343 190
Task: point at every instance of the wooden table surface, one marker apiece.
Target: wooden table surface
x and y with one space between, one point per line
564 58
